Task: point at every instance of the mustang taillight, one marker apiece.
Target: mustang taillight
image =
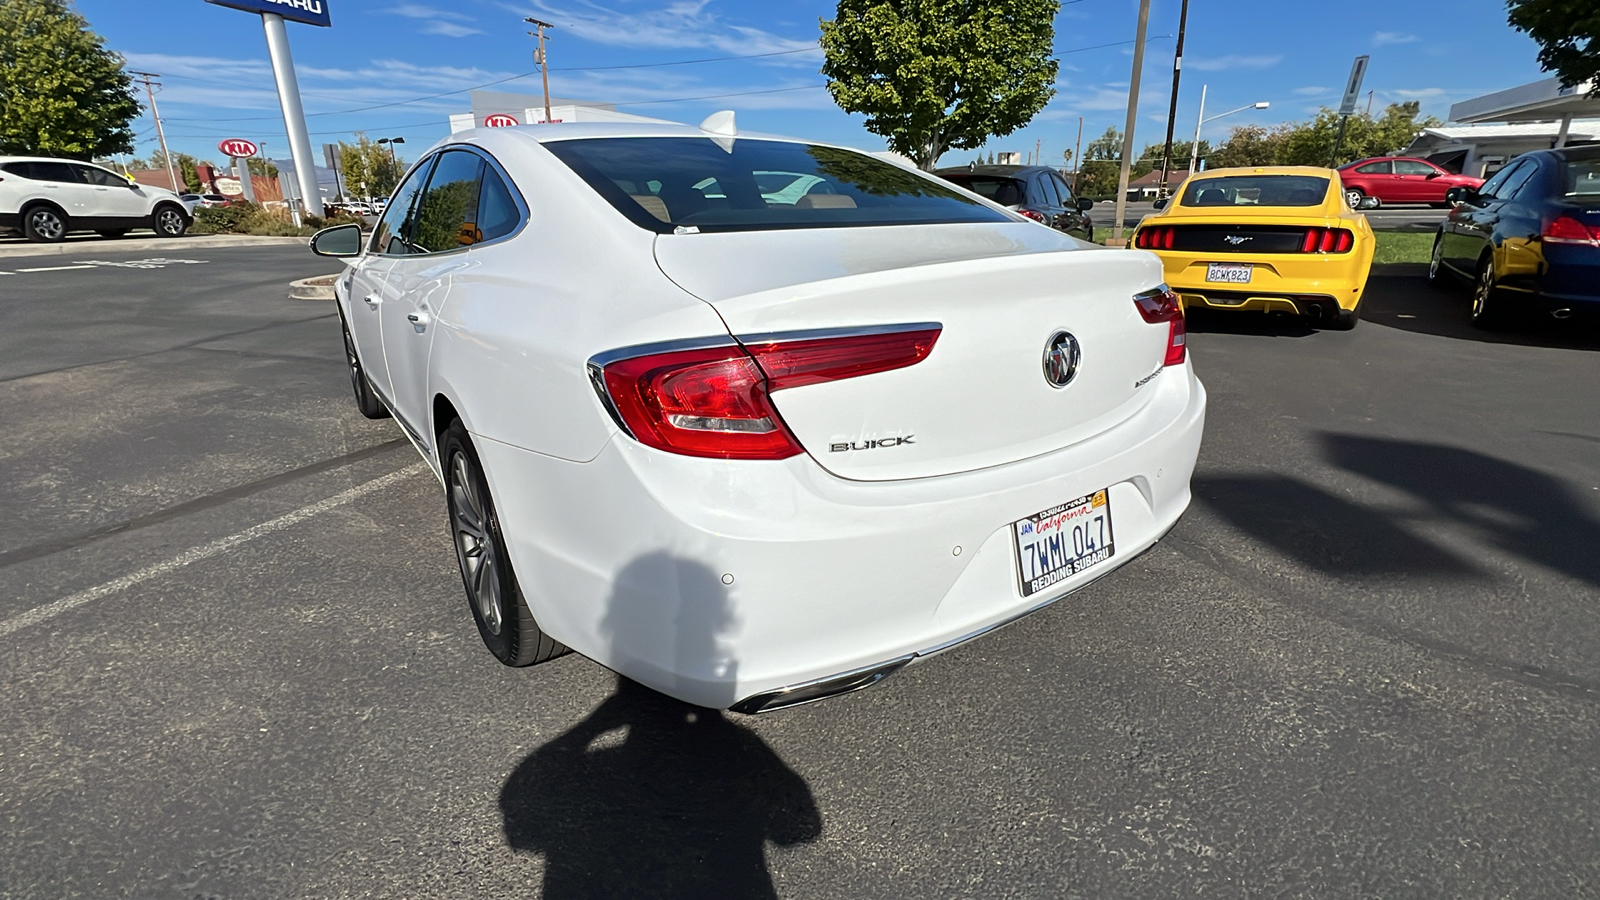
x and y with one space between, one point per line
1156 237
714 401
1161 305
1327 240
1565 229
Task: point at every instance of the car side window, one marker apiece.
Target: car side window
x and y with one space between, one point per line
1047 185
1064 190
1515 183
1412 167
55 171
1377 168
99 177
1491 188
446 217
389 237
498 213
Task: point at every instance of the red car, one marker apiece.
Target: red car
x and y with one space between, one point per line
1400 179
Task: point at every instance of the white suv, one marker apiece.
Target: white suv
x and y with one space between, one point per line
45 198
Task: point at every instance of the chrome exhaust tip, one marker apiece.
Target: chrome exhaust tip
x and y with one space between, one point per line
1562 313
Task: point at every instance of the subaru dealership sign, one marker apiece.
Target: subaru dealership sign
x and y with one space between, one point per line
311 12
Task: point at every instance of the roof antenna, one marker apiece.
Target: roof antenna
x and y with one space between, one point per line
722 126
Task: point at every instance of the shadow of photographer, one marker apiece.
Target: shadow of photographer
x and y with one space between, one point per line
650 796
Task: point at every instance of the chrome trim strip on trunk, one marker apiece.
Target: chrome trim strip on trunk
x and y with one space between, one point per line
814 334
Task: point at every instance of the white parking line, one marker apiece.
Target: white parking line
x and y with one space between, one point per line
204 551
55 268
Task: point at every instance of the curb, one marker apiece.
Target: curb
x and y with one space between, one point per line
103 246
318 288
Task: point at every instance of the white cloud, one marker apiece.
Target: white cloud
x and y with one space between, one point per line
1419 93
449 29
1225 63
1386 38
1310 91
678 24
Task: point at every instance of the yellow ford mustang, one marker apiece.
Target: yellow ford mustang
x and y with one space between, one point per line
1269 239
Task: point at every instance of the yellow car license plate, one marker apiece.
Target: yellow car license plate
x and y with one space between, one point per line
1228 273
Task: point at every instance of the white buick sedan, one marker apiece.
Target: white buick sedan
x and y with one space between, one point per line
757 421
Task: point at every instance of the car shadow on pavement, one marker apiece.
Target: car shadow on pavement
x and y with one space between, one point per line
1211 321
1519 510
1399 296
650 796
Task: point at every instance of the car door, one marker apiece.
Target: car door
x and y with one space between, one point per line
1519 226
1375 179
370 275
1077 223
1415 182
1470 226
444 226
114 197
60 183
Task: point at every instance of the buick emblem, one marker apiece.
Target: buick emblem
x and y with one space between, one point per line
1061 357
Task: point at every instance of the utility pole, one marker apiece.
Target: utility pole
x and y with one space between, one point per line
1038 148
1077 157
544 68
1132 121
1172 109
150 92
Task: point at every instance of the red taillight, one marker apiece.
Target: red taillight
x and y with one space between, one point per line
1564 229
795 363
1032 214
1327 240
710 402
1156 237
714 402
1162 306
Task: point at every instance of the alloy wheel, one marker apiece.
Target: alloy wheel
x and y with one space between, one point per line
1485 288
1353 198
169 222
354 362
46 224
1433 259
475 542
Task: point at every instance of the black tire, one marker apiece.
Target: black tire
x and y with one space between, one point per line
113 233
1488 302
504 621
1437 273
169 221
44 224
366 398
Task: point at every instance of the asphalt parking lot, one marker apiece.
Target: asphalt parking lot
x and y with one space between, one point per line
238 662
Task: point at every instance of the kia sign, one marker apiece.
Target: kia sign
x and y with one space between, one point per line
311 12
238 148
500 120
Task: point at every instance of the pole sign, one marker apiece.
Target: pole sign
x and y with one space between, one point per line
238 148
311 12
500 120
1352 88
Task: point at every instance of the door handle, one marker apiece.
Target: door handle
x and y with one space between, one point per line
372 301
419 320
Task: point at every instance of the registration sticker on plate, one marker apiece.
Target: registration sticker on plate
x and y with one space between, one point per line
1062 541
1228 273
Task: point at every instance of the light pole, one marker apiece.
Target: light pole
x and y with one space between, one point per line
1194 149
544 68
394 163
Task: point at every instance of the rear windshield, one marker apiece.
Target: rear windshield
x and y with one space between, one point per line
1580 177
1256 190
1004 191
667 183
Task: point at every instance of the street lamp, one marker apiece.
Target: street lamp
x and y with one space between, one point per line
1194 149
394 163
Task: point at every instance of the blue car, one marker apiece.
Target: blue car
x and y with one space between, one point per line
1529 238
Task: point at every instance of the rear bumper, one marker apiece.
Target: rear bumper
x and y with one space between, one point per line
1278 283
721 582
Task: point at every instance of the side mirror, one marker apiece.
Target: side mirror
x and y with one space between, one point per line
1161 203
338 241
1085 204
1460 195
1368 203
1432 175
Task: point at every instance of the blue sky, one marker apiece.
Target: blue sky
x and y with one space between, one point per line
367 72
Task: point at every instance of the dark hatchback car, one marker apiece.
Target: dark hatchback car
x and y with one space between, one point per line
1529 238
1038 192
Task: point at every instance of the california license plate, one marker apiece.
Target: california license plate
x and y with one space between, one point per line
1228 273
1062 541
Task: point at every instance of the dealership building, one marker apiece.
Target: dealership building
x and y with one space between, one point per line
1485 132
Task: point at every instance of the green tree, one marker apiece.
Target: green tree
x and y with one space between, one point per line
266 168
61 92
934 75
369 170
1311 143
1248 145
1568 34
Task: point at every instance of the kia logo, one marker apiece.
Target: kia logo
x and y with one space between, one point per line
500 120
1061 357
238 148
